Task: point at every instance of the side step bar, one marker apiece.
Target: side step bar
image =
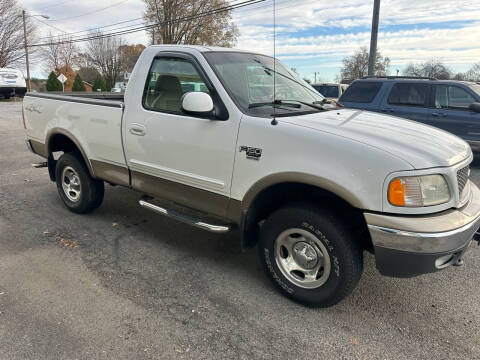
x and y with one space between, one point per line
184 218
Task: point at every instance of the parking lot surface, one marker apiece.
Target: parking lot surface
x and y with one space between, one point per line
125 283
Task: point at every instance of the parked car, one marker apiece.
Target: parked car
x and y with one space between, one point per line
116 90
12 83
331 91
313 189
447 104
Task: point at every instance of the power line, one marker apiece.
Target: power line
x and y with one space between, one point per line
52 5
89 13
150 26
45 23
92 29
86 31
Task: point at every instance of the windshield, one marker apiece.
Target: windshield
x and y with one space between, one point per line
330 91
248 78
475 88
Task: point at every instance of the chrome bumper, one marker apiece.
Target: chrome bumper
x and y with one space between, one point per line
423 243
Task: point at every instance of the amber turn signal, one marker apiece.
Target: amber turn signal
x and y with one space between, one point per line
396 193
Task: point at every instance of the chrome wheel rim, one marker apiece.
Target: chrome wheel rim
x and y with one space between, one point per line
302 258
71 184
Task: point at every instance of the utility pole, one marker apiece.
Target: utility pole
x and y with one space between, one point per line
26 50
373 40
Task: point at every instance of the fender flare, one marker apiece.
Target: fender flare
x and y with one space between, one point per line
300 178
72 138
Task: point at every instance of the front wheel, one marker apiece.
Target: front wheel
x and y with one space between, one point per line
310 255
78 190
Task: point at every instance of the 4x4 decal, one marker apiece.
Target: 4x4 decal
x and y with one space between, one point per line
251 152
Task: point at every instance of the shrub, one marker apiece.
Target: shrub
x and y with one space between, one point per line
53 84
78 84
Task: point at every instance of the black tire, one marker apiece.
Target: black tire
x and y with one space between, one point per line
345 254
91 191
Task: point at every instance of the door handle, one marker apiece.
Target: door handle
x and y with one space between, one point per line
437 114
137 129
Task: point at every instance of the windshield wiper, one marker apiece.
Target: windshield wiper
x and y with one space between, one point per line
275 102
315 105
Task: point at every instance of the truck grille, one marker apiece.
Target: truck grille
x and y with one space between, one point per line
462 178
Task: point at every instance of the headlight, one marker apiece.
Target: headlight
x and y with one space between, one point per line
417 191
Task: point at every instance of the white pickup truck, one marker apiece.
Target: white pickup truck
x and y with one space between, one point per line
201 136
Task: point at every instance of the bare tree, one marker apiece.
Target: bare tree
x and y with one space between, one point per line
12 50
474 73
103 53
53 55
356 66
431 68
60 52
195 29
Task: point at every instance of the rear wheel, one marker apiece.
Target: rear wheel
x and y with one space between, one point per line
78 190
310 255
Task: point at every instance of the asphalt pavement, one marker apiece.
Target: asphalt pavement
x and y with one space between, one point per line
125 283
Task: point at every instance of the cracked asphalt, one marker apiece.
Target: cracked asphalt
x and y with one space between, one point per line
125 283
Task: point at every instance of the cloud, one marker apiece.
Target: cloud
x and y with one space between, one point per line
313 35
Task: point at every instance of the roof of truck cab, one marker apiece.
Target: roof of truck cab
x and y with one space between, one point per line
200 48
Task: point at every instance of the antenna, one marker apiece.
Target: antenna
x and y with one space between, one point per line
274 121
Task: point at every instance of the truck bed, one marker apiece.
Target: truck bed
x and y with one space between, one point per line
94 98
92 120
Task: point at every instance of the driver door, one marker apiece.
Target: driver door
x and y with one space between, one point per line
175 156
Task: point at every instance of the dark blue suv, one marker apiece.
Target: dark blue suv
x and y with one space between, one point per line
450 105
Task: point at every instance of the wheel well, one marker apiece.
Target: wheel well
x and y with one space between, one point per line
61 142
280 195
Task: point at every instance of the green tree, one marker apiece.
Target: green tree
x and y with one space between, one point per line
99 84
53 84
78 84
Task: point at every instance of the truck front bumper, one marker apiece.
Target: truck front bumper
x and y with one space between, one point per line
407 246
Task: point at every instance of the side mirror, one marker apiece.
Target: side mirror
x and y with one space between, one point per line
475 107
197 103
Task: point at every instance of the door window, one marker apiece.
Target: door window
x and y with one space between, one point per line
409 94
361 92
168 80
452 97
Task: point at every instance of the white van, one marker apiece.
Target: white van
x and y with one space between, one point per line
12 83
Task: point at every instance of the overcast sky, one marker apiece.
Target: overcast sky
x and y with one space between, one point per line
312 35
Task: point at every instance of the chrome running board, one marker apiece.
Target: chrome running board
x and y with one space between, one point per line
184 218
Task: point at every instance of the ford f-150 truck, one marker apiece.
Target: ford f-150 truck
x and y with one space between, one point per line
207 137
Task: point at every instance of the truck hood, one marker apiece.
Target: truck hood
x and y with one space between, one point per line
420 145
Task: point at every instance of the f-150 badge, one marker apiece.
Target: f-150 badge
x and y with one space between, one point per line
251 152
